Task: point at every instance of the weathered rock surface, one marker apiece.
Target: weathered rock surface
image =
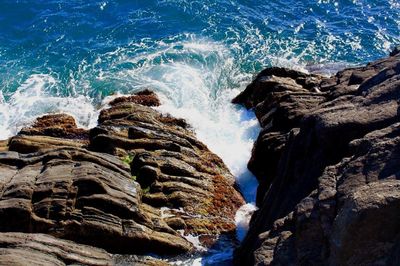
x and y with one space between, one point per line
145 97
50 131
177 173
41 249
136 184
327 160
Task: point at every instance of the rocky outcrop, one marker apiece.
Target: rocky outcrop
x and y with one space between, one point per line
138 183
145 97
177 173
42 249
327 162
50 131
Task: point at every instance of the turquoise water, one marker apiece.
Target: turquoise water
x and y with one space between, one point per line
70 56
58 55
90 49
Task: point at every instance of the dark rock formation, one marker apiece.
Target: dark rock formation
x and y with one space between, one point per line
83 196
136 184
327 160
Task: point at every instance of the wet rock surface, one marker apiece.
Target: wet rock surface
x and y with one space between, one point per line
327 160
138 183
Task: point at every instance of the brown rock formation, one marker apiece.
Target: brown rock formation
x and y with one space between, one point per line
50 131
145 97
177 172
327 162
40 249
136 184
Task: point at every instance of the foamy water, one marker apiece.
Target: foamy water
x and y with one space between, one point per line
35 98
69 56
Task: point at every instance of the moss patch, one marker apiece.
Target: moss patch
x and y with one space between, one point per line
128 159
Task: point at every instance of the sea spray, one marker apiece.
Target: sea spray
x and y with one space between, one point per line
37 96
68 56
22 105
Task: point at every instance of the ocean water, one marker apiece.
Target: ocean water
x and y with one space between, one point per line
68 56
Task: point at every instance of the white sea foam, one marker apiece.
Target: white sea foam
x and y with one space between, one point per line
194 240
196 79
227 130
242 219
217 258
38 96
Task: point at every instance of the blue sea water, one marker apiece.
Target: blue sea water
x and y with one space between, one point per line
71 55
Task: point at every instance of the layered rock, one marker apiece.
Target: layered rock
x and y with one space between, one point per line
50 131
327 162
138 183
41 249
178 174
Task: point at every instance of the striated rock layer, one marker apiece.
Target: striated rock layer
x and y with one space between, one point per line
138 183
327 160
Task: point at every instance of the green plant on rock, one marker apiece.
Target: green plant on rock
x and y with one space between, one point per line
128 159
134 178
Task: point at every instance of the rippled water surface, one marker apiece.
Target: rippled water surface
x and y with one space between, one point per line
59 55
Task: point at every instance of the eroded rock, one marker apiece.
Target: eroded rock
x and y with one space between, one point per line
48 132
327 164
177 173
83 196
138 183
41 249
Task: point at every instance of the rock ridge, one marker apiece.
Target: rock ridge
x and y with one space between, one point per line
327 163
138 183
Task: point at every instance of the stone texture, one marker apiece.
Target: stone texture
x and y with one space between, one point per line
83 196
41 249
145 97
50 131
327 162
56 125
138 183
179 174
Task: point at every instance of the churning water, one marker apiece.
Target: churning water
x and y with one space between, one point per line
67 56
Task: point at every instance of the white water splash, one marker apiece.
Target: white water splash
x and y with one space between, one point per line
36 97
242 219
196 79
194 240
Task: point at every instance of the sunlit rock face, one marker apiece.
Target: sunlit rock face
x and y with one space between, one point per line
138 183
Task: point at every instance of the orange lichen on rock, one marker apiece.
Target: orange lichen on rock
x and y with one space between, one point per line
145 97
